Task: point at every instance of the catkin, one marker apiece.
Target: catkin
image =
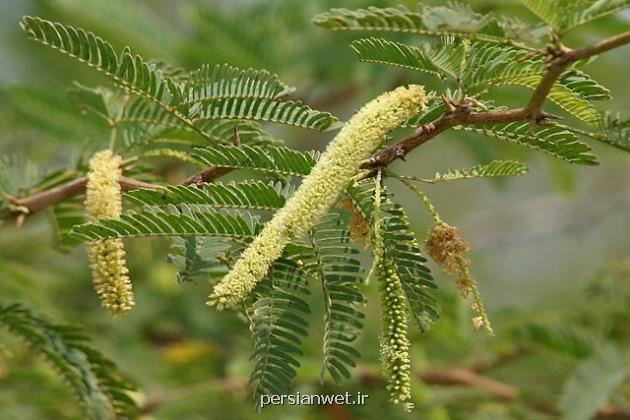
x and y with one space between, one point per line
394 342
320 190
107 256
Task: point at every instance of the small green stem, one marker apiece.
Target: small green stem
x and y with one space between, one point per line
423 197
478 305
112 138
376 241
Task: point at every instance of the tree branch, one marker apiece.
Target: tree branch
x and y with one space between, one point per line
27 206
472 377
457 114
207 175
557 61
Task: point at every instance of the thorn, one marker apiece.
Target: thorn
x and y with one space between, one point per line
198 181
425 128
548 116
369 173
369 162
527 56
450 108
476 102
400 154
22 212
237 137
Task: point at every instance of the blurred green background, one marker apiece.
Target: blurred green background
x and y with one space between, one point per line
550 249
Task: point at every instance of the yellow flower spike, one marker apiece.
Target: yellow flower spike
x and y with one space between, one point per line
320 190
107 257
394 340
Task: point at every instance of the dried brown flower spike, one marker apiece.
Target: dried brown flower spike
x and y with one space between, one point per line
357 225
446 247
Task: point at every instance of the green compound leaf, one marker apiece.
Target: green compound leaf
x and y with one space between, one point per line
403 249
252 195
492 169
563 15
452 19
189 221
277 320
334 263
273 159
94 379
592 383
263 109
550 139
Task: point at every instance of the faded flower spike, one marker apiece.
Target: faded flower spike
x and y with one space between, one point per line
444 244
320 190
446 247
358 224
107 257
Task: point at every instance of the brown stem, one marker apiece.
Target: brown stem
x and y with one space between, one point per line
44 199
40 201
599 47
209 174
461 114
562 57
472 378
469 378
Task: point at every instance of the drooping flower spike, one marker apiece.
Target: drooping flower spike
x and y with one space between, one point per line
394 339
107 257
320 190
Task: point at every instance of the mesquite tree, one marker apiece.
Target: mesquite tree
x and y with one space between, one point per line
304 218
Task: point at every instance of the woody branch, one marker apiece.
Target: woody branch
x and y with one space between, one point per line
558 59
457 113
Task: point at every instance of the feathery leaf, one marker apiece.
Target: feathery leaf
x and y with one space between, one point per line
492 169
189 221
340 275
132 72
277 322
101 389
253 195
549 139
197 257
263 109
273 159
453 19
592 383
402 248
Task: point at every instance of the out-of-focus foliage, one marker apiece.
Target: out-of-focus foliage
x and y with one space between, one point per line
193 362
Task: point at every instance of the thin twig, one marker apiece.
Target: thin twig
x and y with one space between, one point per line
463 115
459 114
40 201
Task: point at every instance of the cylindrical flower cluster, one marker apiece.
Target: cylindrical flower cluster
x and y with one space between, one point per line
394 351
107 257
320 190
